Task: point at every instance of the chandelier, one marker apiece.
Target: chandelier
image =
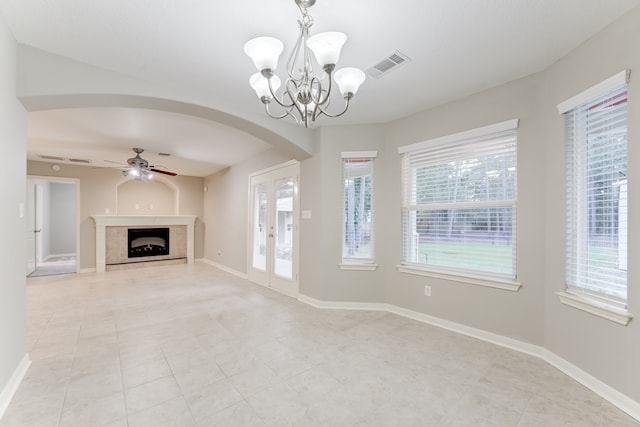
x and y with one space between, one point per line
305 96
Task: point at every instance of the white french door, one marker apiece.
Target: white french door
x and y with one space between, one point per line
274 228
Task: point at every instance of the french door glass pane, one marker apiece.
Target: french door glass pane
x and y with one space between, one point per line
283 266
260 232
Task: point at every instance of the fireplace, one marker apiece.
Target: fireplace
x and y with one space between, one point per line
112 236
144 242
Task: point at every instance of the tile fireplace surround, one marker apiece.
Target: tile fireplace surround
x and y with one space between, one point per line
104 221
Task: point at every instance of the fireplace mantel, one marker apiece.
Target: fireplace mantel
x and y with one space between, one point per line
104 221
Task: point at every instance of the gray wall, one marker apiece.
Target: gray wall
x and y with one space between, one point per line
604 349
226 209
513 314
13 189
62 218
534 315
146 198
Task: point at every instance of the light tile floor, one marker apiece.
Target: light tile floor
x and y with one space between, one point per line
189 345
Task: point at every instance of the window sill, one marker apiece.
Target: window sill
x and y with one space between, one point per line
359 267
613 314
472 280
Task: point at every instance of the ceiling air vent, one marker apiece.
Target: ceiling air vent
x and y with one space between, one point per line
45 157
391 62
164 154
80 161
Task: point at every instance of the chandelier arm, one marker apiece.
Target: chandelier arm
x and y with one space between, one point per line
319 100
303 115
273 116
334 115
289 108
279 101
300 108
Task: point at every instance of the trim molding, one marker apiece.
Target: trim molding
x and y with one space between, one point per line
358 267
616 398
613 396
599 89
222 267
87 270
58 255
601 310
12 386
335 305
461 136
478 281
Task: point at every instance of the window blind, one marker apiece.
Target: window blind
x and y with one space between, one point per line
359 221
459 205
596 188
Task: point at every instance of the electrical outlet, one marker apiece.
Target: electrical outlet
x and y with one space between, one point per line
427 291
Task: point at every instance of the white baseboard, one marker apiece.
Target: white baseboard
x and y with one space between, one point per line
334 305
613 396
48 257
608 393
223 267
87 270
10 389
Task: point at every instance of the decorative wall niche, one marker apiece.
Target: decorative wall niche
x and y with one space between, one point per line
147 197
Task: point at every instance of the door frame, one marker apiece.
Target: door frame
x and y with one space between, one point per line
296 227
65 180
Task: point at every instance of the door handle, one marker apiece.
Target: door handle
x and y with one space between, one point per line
37 231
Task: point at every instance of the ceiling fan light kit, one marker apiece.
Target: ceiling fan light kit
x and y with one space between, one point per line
139 168
305 96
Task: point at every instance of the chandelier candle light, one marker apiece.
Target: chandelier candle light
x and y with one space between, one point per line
304 98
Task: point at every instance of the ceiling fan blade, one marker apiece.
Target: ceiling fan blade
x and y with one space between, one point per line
164 172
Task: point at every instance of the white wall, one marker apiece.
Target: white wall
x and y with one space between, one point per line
12 226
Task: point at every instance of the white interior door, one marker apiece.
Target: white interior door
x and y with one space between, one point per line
39 221
274 228
31 226
35 215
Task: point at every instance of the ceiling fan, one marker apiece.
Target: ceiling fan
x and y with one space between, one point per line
139 167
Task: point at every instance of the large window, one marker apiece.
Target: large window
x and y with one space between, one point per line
358 223
596 217
459 203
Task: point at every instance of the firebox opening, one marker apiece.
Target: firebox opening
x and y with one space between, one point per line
145 242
